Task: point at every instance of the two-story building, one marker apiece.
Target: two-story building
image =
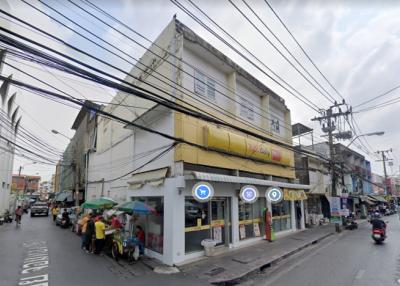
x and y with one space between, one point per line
196 186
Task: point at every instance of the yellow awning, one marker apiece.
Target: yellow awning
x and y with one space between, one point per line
294 195
154 178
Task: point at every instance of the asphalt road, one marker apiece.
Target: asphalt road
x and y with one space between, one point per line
348 259
39 250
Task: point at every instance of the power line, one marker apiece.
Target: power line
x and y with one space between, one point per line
87 2
137 91
300 97
302 49
211 104
327 95
173 86
378 96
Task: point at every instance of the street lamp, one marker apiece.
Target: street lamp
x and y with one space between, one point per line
59 133
21 167
379 133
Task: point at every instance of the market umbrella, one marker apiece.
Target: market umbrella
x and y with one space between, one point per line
100 203
136 207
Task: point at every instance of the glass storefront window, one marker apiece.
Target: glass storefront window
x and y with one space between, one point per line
197 224
251 221
281 216
152 224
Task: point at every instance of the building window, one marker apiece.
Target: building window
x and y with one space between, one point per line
152 224
197 224
247 109
251 219
281 216
211 88
203 85
275 124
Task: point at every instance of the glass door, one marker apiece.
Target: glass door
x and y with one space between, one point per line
220 221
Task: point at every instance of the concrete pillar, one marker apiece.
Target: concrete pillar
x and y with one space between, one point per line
266 116
231 83
302 222
235 221
293 215
174 226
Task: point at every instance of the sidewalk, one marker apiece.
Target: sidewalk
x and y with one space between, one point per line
231 266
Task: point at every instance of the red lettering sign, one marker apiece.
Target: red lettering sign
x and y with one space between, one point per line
276 155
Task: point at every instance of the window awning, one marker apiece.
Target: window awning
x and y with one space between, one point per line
64 195
367 200
378 199
242 180
154 178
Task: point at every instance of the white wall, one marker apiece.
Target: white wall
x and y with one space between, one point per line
131 152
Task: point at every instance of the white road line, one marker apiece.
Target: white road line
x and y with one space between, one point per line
360 274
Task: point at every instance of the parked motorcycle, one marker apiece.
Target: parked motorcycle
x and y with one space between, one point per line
351 223
125 245
8 217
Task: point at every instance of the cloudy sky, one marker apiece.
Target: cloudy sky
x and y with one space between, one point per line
354 43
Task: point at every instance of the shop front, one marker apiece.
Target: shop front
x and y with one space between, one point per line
230 210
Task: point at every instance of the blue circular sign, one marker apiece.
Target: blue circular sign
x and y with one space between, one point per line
274 194
203 191
249 194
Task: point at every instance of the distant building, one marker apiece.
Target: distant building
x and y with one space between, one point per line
25 184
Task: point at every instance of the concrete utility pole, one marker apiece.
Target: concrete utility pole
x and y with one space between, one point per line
384 159
76 182
328 126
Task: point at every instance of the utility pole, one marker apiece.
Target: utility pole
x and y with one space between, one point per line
76 182
329 121
384 159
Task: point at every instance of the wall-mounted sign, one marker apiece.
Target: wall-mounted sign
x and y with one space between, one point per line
274 195
202 192
249 194
294 195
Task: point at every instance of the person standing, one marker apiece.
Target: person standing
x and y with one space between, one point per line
55 211
90 232
83 223
100 229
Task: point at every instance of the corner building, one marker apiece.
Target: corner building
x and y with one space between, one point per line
202 79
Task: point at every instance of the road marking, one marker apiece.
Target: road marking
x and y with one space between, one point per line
360 274
35 263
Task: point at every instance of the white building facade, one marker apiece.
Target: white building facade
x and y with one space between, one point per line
133 164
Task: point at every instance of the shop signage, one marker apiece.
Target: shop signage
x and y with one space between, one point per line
274 194
249 194
294 195
335 206
218 138
203 192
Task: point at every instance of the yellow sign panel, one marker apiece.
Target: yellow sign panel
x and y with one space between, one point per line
236 144
294 195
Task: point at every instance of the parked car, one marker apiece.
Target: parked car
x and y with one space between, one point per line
39 208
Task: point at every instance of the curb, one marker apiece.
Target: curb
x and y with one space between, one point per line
268 263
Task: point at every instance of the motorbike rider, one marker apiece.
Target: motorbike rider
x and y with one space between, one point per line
377 222
65 218
18 214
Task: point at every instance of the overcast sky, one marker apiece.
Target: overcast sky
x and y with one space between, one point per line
354 43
